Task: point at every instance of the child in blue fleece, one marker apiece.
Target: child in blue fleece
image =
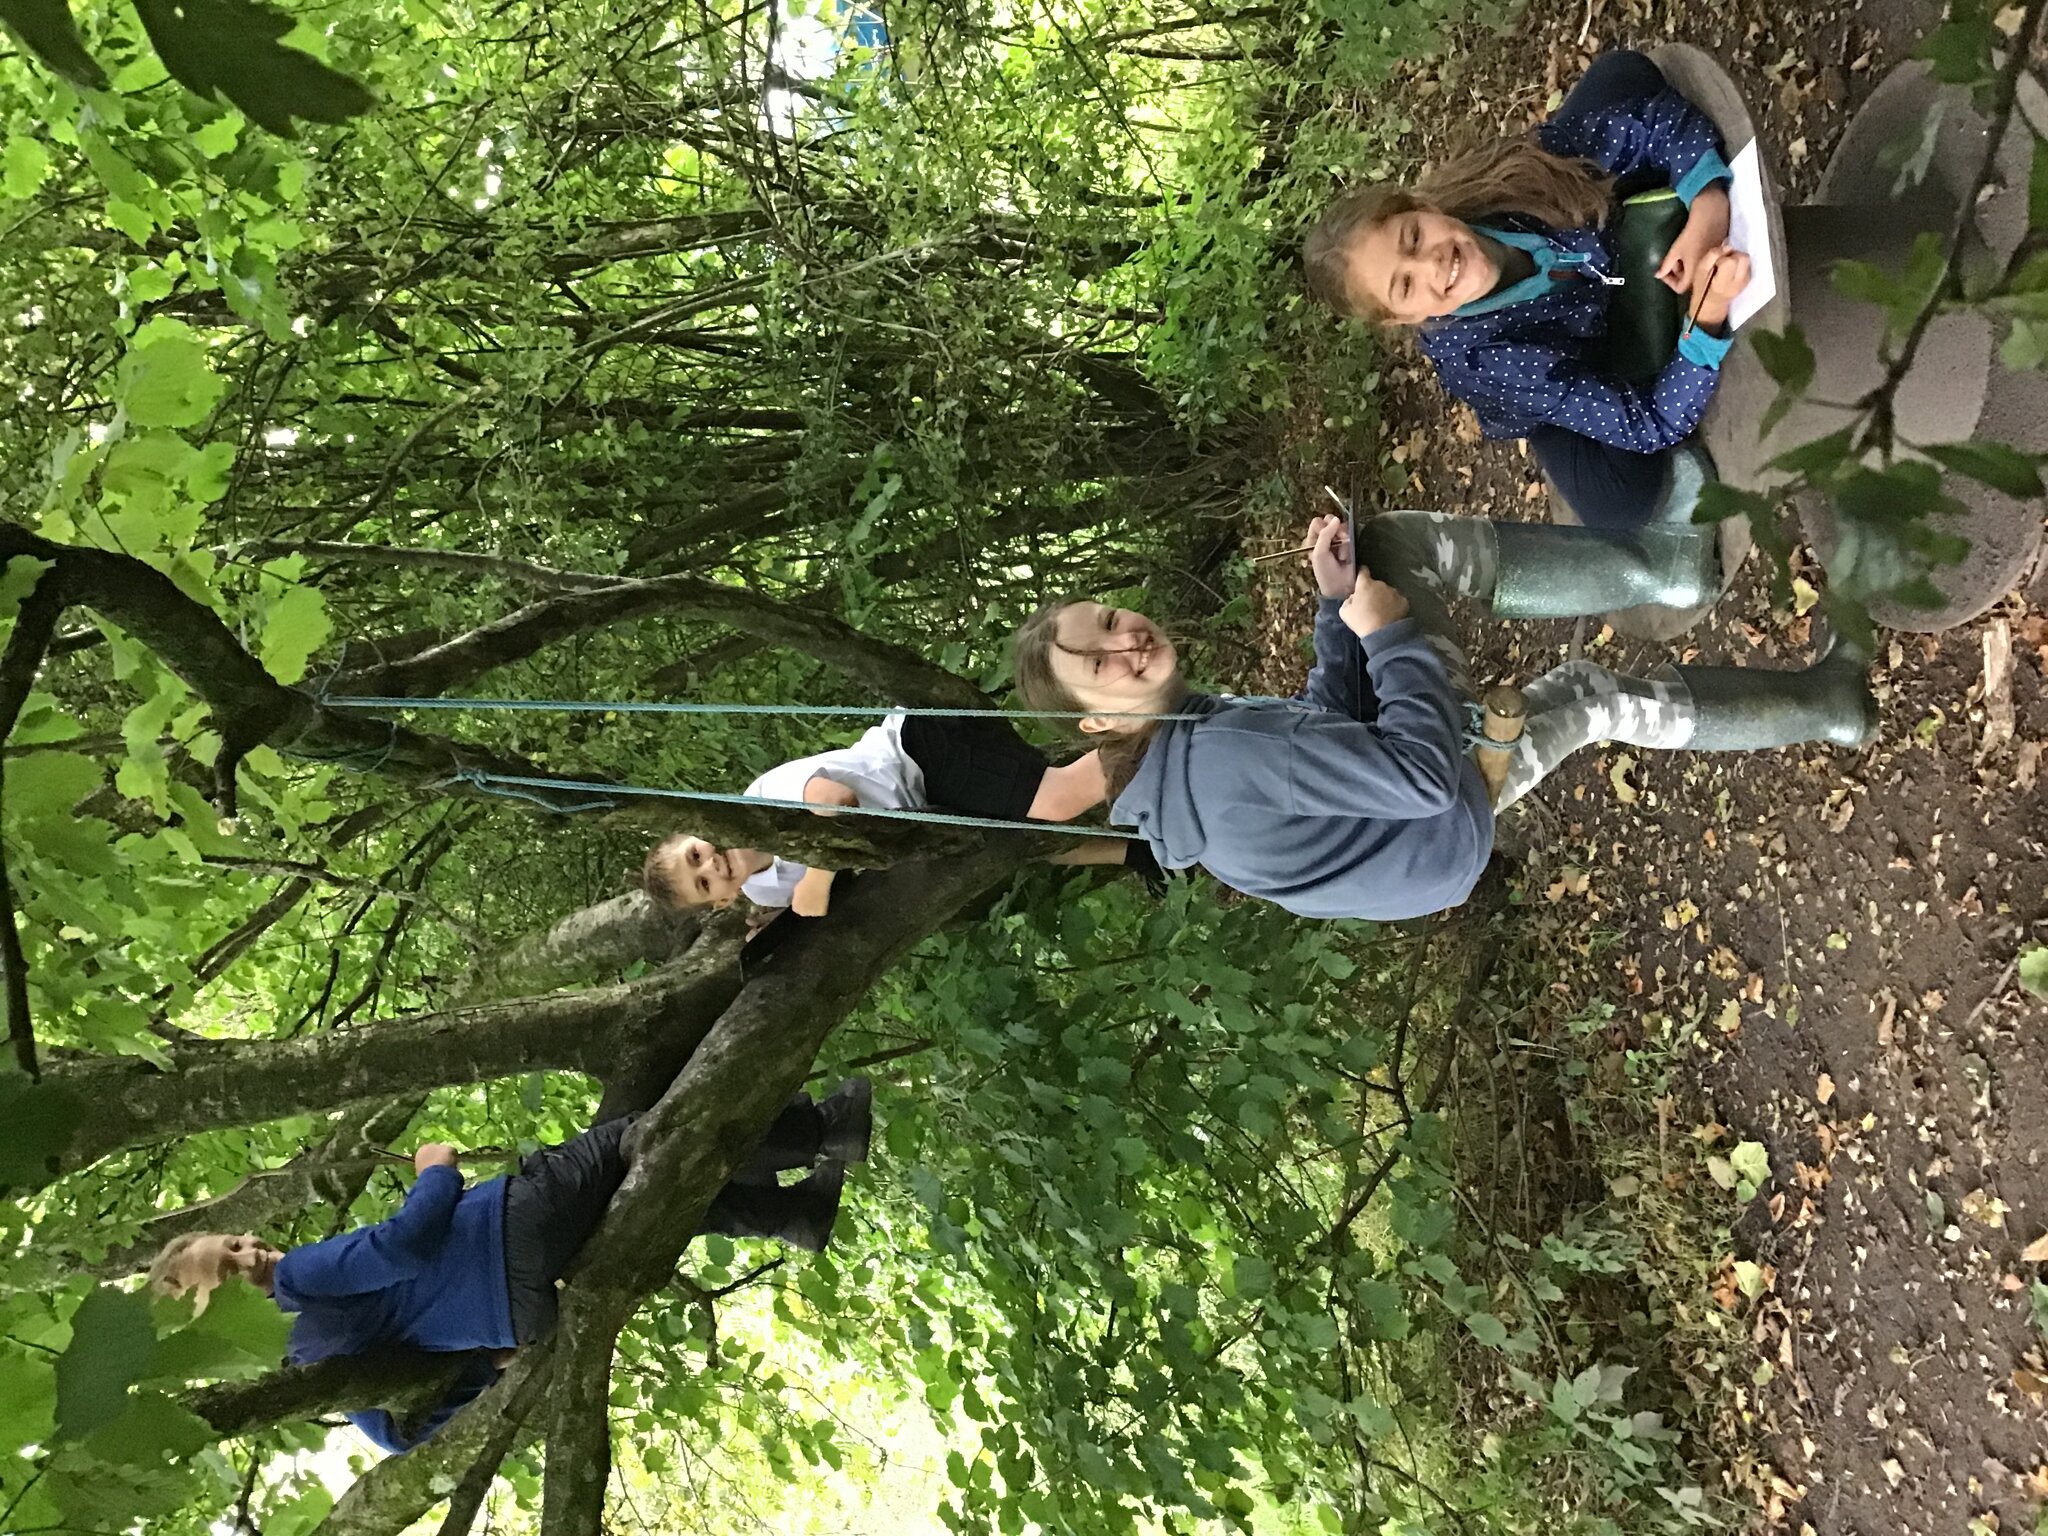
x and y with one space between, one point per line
472 1270
1353 802
1500 260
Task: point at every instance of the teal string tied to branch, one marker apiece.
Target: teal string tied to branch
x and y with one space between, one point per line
606 797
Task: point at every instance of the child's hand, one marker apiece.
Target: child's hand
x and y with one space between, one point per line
434 1154
1332 557
1726 275
1706 228
826 796
813 894
1372 606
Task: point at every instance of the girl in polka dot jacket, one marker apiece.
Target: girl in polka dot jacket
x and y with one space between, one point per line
1500 260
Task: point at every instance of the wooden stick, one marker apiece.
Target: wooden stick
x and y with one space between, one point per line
1504 714
1281 554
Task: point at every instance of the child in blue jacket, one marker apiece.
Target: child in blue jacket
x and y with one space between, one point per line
473 1270
1354 802
1500 259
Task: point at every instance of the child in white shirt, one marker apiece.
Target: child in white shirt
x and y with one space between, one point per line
971 766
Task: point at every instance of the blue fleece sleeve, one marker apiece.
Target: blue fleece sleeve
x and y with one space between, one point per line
1529 383
371 1258
1658 130
1405 765
1337 680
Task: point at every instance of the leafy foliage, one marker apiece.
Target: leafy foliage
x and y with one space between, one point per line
1168 1226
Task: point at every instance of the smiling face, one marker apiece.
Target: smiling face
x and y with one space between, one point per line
1113 660
690 872
217 1256
1418 265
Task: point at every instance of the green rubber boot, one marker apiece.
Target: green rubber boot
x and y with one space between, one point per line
1748 709
1546 572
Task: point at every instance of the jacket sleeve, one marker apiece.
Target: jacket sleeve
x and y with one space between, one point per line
1404 766
1657 130
371 1258
1519 385
1337 681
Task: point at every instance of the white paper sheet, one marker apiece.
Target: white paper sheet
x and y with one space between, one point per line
1749 231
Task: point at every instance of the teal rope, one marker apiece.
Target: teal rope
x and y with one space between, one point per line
516 786
655 707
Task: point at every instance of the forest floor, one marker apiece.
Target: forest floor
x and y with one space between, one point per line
1830 936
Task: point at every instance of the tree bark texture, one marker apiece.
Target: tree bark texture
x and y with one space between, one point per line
403 1381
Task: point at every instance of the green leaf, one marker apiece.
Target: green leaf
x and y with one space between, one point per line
132 221
1751 1162
1819 457
296 626
2033 970
166 380
2002 468
1487 1329
216 138
2025 346
50 783
1385 1307
45 27
240 1334
1960 48
1251 1276
112 1343
23 166
1786 358
230 48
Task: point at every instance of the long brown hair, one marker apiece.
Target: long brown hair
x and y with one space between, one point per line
1032 650
1514 175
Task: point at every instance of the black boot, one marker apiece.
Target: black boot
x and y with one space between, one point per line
1744 709
849 1122
800 1215
810 1208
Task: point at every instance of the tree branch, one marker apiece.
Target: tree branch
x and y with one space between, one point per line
399 1489
462 562
401 1380
195 644
122 1101
713 1114
34 624
897 674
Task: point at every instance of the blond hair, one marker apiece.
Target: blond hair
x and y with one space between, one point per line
164 1276
660 878
1508 176
1032 650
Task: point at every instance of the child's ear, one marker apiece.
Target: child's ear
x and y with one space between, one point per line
1096 725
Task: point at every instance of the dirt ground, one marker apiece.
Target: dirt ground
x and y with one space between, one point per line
1840 929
